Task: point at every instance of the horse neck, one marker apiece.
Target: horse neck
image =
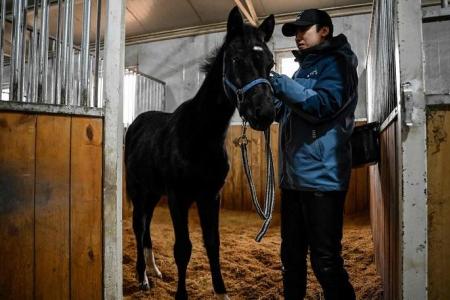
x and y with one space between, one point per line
214 107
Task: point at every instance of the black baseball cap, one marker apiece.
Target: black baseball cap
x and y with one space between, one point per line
307 18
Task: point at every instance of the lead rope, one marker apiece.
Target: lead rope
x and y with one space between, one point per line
266 215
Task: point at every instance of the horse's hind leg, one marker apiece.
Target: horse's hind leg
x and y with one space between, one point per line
183 246
139 217
148 249
208 209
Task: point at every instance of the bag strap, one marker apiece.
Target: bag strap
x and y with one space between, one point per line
319 121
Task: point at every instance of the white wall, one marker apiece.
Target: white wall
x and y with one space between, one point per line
436 38
177 61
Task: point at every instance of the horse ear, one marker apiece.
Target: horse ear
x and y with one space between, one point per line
266 28
235 22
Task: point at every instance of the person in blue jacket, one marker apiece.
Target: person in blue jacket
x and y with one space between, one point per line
315 110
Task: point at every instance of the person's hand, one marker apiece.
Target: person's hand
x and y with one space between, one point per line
275 79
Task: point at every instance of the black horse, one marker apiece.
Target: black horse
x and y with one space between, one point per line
182 154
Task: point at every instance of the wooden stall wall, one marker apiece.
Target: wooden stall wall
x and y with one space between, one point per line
384 211
50 207
236 193
438 149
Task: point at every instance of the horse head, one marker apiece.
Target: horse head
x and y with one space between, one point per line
247 62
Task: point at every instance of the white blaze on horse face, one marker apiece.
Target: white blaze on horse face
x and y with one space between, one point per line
258 48
151 263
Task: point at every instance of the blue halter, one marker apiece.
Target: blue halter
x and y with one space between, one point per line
240 93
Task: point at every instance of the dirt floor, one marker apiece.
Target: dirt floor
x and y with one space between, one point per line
250 270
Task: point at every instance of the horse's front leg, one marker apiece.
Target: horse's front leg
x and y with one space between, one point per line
183 246
208 209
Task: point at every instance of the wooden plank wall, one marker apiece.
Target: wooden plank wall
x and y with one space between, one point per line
384 212
438 149
50 207
236 194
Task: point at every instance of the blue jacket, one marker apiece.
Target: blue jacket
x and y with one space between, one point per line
315 151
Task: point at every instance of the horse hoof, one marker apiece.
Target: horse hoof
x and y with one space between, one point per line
157 273
144 286
181 295
222 297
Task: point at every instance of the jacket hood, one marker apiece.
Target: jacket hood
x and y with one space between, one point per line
339 47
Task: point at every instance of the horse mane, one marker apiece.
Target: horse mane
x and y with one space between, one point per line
209 61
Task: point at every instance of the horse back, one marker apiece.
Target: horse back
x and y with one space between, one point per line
143 129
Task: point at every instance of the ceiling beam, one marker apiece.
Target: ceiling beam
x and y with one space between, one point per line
245 12
348 10
251 8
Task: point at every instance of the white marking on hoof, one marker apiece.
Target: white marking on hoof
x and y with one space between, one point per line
222 297
151 263
144 285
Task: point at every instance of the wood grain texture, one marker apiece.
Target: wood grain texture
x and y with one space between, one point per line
384 201
438 147
52 207
17 170
86 209
17 173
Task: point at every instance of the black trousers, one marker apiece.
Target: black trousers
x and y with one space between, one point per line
313 220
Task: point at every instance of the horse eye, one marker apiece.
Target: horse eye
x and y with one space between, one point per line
235 60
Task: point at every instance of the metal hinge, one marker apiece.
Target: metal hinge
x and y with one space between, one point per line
408 103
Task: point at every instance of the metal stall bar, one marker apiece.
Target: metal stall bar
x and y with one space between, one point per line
144 93
51 74
142 88
147 94
23 51
57 67
29 60
78 79
154 95
85 53
97 52
113 145
16 51
43 52
92 62
138 96
2 43
141 95
158 91
64 53
70 59
34 54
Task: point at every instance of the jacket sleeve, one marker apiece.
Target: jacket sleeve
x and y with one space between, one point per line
321 101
